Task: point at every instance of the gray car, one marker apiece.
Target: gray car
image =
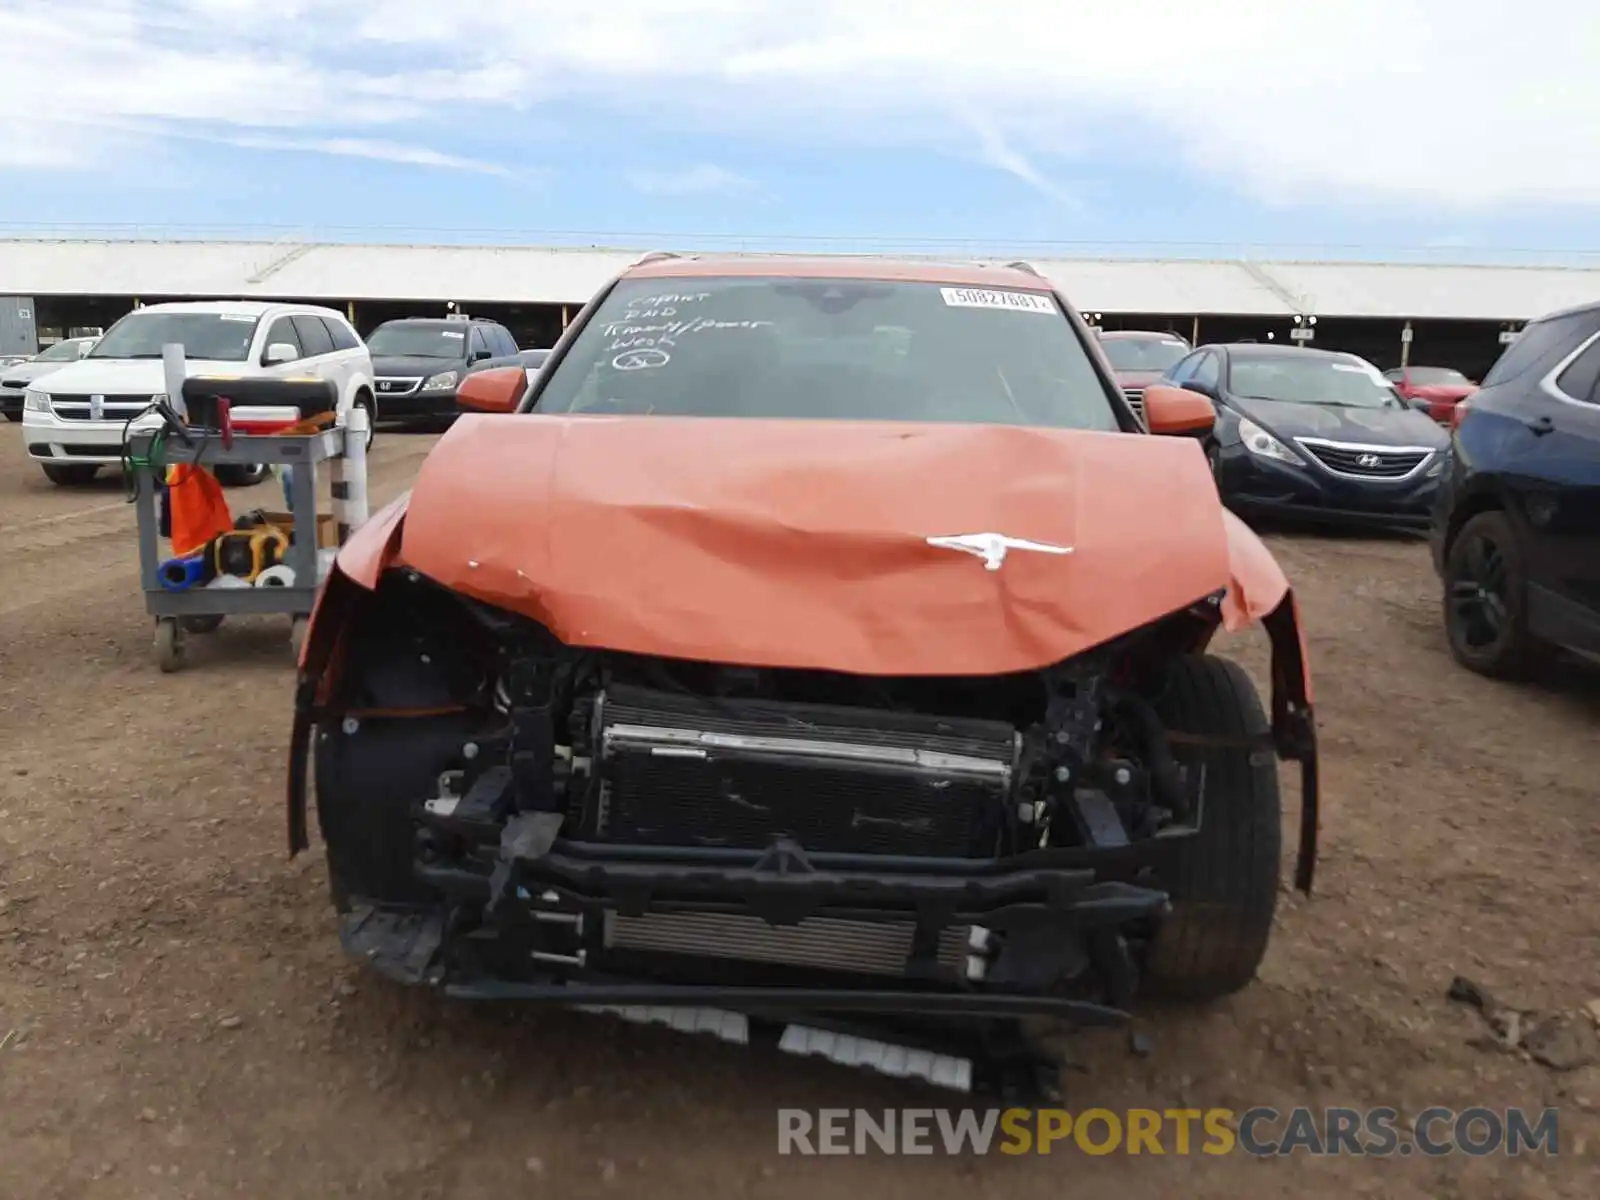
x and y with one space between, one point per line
14 380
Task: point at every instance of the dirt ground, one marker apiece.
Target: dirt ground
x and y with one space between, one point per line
176 1018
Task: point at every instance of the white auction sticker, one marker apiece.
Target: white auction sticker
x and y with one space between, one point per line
983 298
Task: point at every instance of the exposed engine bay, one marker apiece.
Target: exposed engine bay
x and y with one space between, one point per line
508 815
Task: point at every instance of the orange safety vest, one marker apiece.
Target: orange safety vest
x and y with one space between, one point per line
198 508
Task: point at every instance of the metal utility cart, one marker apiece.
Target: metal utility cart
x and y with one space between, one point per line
201 609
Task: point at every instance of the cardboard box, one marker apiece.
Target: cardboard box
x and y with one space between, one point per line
327 531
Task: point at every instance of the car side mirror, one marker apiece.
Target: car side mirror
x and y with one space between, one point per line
1178 411
497 390
480 355
279 353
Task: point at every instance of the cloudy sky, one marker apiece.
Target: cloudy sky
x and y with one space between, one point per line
1456 126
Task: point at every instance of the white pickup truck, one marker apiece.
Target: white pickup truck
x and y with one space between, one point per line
77 420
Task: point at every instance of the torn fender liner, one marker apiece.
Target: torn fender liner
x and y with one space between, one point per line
1294 727
804 544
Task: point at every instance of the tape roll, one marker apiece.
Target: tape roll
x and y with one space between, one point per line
181 574
278 576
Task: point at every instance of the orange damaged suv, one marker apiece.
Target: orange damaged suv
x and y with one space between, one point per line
813 649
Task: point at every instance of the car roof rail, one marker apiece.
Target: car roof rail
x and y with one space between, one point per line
655 256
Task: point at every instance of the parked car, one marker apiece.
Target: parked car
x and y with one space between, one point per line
1139 357
1314 435
77 420
1437 390
14 380
774 662
1516 532
421 361
533 359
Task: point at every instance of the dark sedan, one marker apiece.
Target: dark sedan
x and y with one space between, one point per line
1315 435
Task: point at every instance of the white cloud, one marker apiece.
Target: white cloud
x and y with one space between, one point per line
1436 103
691 181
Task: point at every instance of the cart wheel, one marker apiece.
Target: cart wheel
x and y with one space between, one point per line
206 624
169 645
297 635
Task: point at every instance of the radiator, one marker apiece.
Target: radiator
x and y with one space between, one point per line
675 770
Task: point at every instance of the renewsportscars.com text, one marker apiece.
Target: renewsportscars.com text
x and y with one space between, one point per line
1260 1132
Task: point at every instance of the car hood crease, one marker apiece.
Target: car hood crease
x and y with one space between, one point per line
804 543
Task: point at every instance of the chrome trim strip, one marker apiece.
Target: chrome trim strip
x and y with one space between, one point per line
414 382
1427 453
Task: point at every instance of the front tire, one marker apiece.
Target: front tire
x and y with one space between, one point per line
1485 599
70 474
1226 889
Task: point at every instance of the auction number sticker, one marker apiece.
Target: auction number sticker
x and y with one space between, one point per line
983 298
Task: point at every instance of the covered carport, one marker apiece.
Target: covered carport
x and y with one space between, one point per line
1433 315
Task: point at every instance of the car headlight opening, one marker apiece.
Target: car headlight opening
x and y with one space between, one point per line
440 382
34 400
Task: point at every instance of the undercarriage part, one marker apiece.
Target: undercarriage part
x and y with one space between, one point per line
694 771
864 947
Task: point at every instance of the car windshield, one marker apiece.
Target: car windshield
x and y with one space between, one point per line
418 341
834 349
1436 376
1302 377
1143 354
215 336
66 351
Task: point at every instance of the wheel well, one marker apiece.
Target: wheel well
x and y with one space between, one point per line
1465 511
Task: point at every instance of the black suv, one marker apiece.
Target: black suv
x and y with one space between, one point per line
418 362
1516 531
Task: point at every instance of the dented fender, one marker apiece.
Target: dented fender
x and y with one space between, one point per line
1258 590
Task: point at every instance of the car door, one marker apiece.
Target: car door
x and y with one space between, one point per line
1559 494
317 345
280 332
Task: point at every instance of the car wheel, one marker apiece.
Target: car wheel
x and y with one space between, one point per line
1485 587
241 474
1225 890
69 474
365 402
15 417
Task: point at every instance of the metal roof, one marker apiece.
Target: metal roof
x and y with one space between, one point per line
336 272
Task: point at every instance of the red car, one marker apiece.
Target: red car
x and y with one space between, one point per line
1139 357
1439 388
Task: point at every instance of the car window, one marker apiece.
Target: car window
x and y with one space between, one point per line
314 338
1180 373
1394 374
1208 370
507 345
67 351
1578 381
837 349
283 331
1542 344
418 339
1303 377
340 334
476 344
1143 354
1434 377
212 336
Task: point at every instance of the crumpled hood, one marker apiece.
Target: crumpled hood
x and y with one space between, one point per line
804 543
